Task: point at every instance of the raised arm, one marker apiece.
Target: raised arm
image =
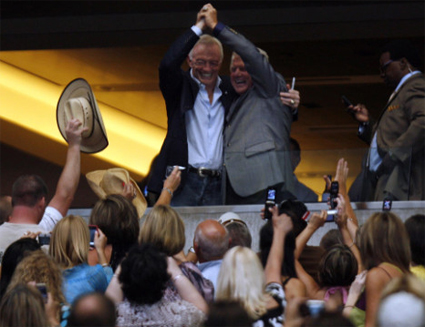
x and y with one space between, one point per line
341 221
282 224
70 177
316 221
185 288
170 186
341 175
263 75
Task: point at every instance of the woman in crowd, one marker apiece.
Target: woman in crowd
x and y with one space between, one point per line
14 253
292 285
23 305
415 227
144 275
117 217
164 228
243 279
69 247
384 247
38 267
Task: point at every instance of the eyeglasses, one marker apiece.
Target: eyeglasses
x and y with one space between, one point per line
384 67
203 63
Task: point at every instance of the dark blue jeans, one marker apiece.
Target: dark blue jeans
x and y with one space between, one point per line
199 191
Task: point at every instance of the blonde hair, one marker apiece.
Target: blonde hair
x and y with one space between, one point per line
207 39
383 238
69 244
163 228
241 278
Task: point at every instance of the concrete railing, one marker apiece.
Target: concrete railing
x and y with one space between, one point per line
251 214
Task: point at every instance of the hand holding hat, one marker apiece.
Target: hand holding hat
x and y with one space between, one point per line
78 101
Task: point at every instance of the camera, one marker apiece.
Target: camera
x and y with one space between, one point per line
270 202
169 170
43 290
93 229
333 195
315 307
386 205
44 239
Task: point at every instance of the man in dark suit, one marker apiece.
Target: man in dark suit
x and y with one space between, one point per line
395 166
257 126
196 102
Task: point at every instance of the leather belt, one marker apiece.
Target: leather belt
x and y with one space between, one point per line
204 172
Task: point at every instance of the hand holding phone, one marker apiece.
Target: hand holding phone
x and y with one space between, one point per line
93 229
270 202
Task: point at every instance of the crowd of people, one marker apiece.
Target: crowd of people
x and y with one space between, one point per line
133 269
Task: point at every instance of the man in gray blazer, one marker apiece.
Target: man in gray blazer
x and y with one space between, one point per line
257 126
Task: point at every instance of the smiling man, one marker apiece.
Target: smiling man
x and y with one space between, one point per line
196 102
257 126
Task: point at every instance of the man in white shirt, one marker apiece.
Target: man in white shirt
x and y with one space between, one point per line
29 192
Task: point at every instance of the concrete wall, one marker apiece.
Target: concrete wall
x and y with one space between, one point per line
251 214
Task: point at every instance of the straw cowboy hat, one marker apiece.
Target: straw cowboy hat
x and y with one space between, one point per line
105 182
78 101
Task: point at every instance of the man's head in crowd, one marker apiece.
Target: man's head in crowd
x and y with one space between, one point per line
238 230
94 309
205 60
211 241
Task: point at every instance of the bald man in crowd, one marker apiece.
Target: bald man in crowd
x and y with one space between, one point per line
210 243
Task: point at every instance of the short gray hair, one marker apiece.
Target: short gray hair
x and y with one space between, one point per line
208 40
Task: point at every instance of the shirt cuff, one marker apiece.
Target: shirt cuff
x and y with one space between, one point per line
218 28
196 30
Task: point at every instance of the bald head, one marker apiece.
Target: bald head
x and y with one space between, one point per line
211 240
93 309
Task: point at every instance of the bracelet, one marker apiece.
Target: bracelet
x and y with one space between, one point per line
191 249
105 264
354 242
349 306
177 277
168 190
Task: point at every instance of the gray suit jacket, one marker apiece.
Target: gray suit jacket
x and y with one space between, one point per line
256 135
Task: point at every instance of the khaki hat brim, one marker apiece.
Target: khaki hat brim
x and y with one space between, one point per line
97 140
106 182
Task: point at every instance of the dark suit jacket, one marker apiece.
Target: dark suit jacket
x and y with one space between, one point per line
179 91
256 134
401 134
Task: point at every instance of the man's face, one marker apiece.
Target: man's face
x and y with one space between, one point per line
206 63
240 78
390 70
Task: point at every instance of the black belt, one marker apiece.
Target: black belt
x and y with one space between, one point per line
204 172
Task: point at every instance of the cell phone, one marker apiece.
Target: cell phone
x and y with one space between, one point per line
330 217
92 229
44 239
43 290
345 101
386 205
169 170
270 202
333 194
315 307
